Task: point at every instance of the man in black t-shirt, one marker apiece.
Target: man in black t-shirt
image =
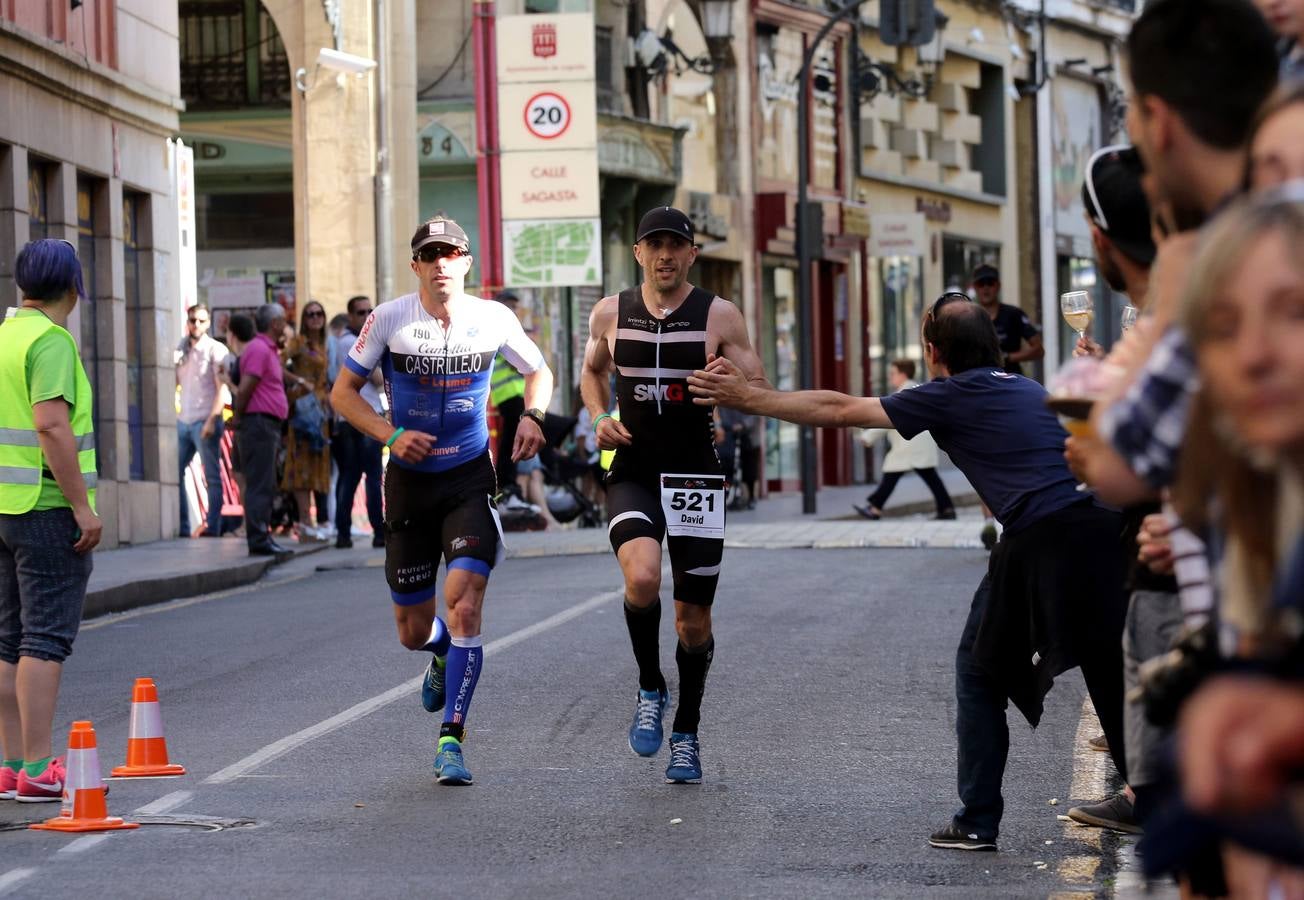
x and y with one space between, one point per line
1013 326
1053 594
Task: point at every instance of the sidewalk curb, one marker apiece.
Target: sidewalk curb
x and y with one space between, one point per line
150 591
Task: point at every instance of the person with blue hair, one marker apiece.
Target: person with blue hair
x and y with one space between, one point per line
48 524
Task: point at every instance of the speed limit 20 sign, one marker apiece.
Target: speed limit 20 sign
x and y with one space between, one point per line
547 115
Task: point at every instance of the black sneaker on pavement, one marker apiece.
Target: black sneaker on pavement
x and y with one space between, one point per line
343 542
952 838
1115 813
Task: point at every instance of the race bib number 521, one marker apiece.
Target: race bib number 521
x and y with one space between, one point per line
693 505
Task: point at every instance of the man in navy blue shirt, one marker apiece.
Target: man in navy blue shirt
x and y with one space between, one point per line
1053 594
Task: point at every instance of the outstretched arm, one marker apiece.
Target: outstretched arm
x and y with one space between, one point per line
723 383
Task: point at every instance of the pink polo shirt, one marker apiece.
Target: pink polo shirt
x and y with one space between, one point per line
260 358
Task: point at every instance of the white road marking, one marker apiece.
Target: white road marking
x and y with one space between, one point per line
165 804
82 844
367 707
114 618
13 878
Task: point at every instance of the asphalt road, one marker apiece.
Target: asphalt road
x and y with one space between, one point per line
827 740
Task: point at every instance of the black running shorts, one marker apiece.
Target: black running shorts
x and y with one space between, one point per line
634 511
433 514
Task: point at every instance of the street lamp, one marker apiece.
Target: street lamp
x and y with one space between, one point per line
717 18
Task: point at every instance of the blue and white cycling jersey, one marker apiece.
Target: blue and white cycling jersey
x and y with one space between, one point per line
438 381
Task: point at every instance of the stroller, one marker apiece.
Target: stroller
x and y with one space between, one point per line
566 501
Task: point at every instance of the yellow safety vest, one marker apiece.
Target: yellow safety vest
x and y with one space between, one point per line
21 462
506 382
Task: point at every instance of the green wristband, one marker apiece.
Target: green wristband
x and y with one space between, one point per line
599 419
394 437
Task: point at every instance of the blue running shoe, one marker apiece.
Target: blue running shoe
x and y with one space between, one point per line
449 766
432 687
646 732
685 760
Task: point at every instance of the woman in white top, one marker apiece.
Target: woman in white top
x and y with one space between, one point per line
919 454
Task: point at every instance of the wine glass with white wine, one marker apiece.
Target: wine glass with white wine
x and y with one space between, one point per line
1128 318
1077 308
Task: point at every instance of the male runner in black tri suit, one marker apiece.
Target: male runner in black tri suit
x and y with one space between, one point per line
655 335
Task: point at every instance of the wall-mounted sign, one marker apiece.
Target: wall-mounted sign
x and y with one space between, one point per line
897 234
562 116
561 184
184 191
436 144
552 252
548 135
541 48
934 210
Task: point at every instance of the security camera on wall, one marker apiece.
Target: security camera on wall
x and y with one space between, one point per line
344 62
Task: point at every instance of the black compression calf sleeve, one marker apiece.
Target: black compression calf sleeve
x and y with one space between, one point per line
694 663
644 624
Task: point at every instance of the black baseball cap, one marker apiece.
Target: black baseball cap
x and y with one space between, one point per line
1115 201
986 272
440 230
665 218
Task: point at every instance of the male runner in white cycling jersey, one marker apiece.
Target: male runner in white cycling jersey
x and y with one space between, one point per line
436 349
666 479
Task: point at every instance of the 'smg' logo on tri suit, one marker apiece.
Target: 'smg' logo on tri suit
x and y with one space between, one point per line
673 393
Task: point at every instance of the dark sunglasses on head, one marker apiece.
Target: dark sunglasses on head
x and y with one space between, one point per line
314 313
366 311
984 282
192 319
437 251
930 318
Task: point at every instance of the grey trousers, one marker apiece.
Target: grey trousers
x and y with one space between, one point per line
1153 620
260 440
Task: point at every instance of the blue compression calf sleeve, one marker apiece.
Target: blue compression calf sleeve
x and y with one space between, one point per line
465 658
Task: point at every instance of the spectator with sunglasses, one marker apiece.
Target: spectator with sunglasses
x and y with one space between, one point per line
1052 598
436 348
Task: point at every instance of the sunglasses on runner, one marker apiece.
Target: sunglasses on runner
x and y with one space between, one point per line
438 251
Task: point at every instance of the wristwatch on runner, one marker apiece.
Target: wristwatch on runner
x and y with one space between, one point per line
535 414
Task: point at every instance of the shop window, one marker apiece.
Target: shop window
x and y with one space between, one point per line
897 295
39 176
133 214
781 341
245 221
988 103
90 194
608 98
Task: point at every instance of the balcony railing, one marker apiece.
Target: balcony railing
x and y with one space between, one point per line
231 56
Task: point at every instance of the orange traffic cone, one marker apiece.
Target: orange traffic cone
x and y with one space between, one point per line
84 806
147 751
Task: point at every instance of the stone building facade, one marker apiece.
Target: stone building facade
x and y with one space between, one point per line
89 99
